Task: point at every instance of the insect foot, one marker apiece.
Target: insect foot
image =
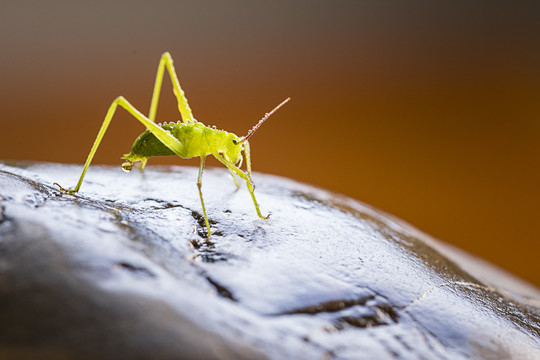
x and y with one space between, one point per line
64 190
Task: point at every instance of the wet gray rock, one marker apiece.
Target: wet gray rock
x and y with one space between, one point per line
122 270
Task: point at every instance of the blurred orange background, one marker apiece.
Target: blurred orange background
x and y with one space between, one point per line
429 110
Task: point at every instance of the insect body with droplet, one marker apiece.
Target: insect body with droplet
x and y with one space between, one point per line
187 138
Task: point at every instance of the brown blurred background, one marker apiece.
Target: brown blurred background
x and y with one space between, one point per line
429 110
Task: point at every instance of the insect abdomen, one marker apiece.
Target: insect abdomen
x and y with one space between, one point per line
147 145
196 139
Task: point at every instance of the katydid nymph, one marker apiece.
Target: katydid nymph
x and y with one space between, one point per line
187 138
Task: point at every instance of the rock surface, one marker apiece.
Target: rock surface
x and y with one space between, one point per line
123 270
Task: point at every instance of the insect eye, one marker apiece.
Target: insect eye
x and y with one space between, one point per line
235 142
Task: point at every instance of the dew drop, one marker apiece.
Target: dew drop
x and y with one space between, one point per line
127 166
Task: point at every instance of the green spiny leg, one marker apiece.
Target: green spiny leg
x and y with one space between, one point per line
165 137
183 106
199 185
240 173
232 173
234 179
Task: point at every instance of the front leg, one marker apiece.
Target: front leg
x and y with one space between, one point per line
240 173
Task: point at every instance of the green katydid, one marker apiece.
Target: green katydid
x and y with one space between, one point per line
187 138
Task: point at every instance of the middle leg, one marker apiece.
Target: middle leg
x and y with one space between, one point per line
199 186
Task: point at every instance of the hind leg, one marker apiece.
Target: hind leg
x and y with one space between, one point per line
165 137
166 61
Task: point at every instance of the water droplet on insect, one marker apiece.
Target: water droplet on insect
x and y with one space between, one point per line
127 166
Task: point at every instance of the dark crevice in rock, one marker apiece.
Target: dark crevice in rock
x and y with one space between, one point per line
201 225
195 244
212 256
164 204
221 290
381 315
329 306
206 251
365 312
217 233
135 269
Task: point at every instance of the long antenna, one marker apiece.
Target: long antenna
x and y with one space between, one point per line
265 117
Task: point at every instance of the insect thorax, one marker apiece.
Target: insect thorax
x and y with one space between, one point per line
197 140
